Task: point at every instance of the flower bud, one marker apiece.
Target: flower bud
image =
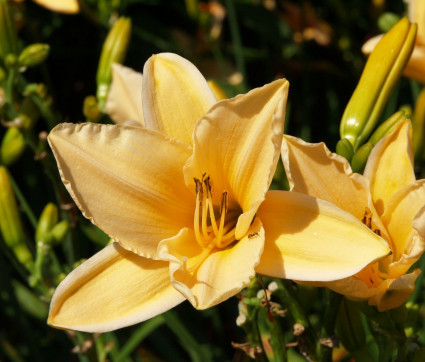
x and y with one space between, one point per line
418 123
8 36
33 55
383 69
345 149
387 127
91 110
10 222
358 162
59 232
113 51
12 146
29 113
48 219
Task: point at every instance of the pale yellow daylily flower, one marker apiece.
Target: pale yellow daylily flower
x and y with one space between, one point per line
415 67
388 199
192 218
61 6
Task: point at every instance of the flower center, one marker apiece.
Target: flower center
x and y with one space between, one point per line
214 225
370 274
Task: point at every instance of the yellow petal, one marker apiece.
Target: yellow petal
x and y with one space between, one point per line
113 289
237 144
126 180
391 293
390 165
61 6
415 68
397 292
402 210
309 239
313 170
219 275
175 96
125 95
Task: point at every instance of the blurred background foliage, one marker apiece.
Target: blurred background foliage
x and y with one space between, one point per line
241 44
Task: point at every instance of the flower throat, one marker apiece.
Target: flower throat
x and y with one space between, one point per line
214 227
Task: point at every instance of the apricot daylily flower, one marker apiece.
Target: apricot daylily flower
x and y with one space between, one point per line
388 198
415 67
192 217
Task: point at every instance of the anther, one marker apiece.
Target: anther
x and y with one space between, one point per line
224 205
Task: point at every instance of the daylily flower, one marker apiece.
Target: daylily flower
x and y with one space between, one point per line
415 68
186 202
388 198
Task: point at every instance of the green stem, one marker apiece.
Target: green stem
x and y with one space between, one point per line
330 316
236 37
138 336
22 201
308 338
190 344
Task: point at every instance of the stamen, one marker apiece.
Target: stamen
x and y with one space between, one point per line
367 218
198 236
210 204
204 214
222 217
205 252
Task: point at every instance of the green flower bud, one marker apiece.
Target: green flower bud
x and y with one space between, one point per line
8 37
387 127
382 71
91 110
345 149
358 162
418 123
10 222
29 113
387 20
11 61
114 51
33 55
59 232
12 146
48 219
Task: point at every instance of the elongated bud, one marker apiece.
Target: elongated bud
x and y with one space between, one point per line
12 146
345 148
33 55
10 222
358 162
387 127
48 219
114 51
8 37
418 123
383 69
